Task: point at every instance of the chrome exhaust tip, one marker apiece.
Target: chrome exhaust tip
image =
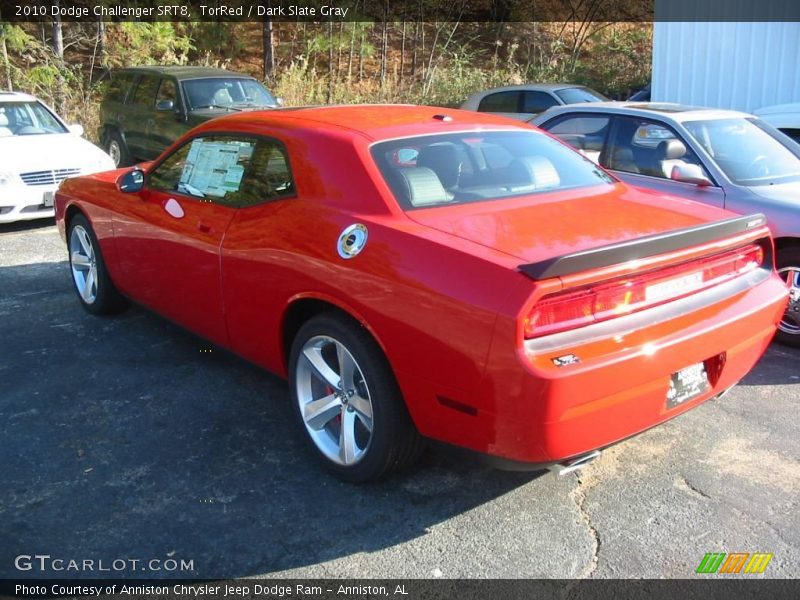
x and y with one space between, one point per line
574 464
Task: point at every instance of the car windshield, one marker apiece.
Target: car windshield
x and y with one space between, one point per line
474 166
746 151
27 118
578 95
226 92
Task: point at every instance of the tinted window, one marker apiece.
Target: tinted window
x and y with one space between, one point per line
226 92
117 87
145 92
746 153
586 134
536 102
500 102
167 91
577 95
476 166
648 148
226 170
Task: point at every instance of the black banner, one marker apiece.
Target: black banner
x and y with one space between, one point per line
395 11
740 587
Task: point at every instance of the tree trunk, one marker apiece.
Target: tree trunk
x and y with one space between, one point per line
58 50
268 42
403 48
330 61
384 41
6 62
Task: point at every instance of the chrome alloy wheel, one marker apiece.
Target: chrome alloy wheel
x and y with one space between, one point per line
83 263
334 400
114 151
791 319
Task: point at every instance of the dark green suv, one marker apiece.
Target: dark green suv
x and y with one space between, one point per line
145 109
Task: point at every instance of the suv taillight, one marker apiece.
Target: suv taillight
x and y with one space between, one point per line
575 308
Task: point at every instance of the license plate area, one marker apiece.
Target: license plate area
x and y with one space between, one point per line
686 384
48 198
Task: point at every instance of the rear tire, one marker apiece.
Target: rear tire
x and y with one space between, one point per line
788 265
92 284
347 401
118 150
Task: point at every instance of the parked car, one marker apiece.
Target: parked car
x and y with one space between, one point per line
145 109
524 101
38 150
722 158
784 117
420 274
643 95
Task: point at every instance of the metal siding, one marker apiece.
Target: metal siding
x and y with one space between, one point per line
742 66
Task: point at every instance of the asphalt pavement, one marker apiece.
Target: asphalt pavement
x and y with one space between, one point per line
127 438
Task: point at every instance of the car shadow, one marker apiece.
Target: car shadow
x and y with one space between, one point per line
771 369
129 438
31 225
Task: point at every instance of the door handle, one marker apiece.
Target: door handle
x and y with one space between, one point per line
203 228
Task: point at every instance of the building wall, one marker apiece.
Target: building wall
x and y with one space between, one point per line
742 66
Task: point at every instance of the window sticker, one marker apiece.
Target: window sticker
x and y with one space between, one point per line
215 168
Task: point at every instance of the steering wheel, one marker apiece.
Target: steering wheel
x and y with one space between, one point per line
759 167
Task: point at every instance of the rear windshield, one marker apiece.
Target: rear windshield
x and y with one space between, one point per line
474 166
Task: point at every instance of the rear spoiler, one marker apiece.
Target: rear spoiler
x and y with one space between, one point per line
642 247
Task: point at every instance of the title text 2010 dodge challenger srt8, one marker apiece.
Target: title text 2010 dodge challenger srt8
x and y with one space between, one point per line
457 277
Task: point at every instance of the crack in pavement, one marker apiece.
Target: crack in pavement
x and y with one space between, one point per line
683 484
578 496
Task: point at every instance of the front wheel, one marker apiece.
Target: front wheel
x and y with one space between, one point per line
348 402
93 285
789 270
117 150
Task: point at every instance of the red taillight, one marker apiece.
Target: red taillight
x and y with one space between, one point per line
576 308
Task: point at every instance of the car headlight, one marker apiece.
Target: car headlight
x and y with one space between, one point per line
6 178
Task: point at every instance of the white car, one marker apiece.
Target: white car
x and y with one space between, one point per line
37 152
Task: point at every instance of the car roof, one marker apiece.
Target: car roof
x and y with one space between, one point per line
183 72
674 112
377 121
533 87
17 97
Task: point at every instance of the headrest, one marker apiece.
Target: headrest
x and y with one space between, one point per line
671 150
421 186
534 170
443 160
222 97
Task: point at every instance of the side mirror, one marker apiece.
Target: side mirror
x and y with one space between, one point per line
279 101
165 105
75 129
690 174
131 181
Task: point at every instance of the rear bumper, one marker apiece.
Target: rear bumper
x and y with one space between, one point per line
530 410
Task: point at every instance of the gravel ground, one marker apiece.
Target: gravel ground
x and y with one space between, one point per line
125 438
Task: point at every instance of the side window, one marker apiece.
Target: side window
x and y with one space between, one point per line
167 91
648 148
145 92
507 102
226 170
586 134
118 86
536 102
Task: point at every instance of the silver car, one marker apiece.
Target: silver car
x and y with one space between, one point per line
720 157
521 102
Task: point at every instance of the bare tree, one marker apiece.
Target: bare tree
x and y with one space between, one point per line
268 43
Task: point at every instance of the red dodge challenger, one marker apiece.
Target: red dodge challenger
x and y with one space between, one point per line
420 273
